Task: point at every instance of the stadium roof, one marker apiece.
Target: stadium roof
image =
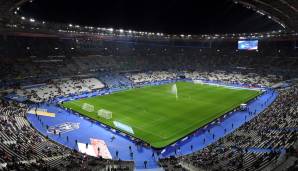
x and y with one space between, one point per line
284 12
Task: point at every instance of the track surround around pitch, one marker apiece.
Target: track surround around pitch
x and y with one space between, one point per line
170 128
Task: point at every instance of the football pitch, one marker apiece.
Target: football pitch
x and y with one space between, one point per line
154 114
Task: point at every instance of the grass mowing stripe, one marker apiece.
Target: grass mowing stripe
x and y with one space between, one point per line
157 117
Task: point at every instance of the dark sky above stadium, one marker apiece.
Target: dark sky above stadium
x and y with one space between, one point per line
167 16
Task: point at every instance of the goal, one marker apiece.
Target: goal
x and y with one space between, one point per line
104 113
88 107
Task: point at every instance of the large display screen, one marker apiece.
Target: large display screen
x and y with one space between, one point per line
248 44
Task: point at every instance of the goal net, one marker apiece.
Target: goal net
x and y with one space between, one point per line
88 107
104 113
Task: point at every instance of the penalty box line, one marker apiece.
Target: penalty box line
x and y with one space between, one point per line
132 126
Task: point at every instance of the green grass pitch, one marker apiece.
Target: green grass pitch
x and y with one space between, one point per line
157 117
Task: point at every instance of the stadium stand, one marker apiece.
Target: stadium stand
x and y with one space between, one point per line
273 130
114 80
60 87
54 60
232 146
22 147
150 77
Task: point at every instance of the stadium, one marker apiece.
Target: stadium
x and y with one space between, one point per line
107 97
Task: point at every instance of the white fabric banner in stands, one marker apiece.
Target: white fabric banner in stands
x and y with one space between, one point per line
97 148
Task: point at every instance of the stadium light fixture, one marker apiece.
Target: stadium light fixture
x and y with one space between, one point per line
32 20
70 25
111 29
121 30
23 18
283 25
260 12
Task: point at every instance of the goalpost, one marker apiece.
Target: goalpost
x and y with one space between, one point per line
104 113
88 107
101 113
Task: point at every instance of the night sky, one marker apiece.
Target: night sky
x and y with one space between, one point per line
167 16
